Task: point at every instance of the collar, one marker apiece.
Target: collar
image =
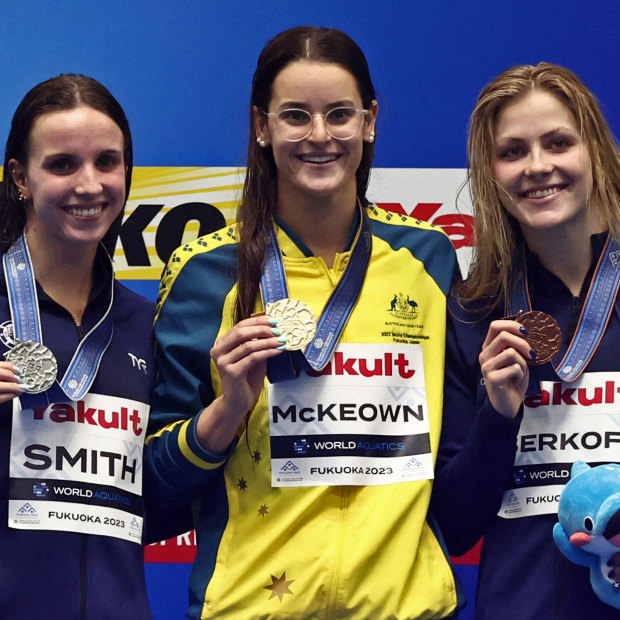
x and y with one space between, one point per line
99 298
540 277
292 245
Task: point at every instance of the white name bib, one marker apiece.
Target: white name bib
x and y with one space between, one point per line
567 422
77 467
362 421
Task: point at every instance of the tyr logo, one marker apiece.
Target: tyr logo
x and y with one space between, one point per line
138 363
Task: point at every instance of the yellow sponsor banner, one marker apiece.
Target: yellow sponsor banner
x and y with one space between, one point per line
171 206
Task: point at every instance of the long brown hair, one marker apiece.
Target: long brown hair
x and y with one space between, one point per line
258 203
64 92
498 235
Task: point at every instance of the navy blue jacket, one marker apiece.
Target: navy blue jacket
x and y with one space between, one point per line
522 574
64 575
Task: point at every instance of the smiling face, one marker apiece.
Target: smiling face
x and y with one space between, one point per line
319 166
74 180
542 166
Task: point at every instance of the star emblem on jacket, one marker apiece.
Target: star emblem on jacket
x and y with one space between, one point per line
279 586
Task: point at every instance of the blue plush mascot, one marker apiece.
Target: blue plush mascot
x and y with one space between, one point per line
589 529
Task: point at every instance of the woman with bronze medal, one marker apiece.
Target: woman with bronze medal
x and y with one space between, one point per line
74 402
532 361
297 406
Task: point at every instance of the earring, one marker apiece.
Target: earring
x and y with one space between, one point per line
261 143
21 197
371 137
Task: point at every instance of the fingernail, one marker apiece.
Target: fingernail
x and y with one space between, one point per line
283 339
23 386
282 347
524 330
273 322
533 354
275 331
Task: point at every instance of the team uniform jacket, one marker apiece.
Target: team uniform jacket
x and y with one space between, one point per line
523 576
298 552
74 576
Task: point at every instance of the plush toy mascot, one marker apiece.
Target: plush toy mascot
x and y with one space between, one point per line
589 529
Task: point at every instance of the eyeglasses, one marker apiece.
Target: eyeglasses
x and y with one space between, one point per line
340 123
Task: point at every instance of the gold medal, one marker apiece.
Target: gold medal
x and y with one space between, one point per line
296 321
36 364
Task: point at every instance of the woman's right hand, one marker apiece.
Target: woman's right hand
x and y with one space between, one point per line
241 356
503 362
9 386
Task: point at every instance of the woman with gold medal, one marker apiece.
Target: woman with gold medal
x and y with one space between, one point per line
296 407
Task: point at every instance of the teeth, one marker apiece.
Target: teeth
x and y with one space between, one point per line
541 193
318 159
83 212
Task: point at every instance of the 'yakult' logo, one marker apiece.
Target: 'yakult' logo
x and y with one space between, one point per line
387 365
124 419
558 395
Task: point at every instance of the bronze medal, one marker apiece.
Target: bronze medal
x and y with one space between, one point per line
296 321
36 364
545 335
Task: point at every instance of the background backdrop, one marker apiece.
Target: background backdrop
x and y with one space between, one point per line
182 71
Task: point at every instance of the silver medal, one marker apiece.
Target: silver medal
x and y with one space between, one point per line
36 364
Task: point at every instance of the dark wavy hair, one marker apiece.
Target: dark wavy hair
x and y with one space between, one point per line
64 92
258 203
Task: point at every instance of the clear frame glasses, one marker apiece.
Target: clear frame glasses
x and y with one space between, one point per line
294 125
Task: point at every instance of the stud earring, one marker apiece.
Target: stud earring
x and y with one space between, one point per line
21 197
261 143
371 137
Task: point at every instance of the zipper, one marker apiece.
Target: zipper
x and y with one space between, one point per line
577 302
80 330
344 513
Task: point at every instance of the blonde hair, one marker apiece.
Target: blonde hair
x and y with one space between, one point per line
497 233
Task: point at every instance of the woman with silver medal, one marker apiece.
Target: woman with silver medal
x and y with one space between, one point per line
74 405
260 320
532 341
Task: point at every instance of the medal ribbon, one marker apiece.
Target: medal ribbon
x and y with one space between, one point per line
24 306
335 315
595 313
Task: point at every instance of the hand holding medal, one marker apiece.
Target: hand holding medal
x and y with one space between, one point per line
10 382
36 364
511 344
544 335
240 355
295 320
